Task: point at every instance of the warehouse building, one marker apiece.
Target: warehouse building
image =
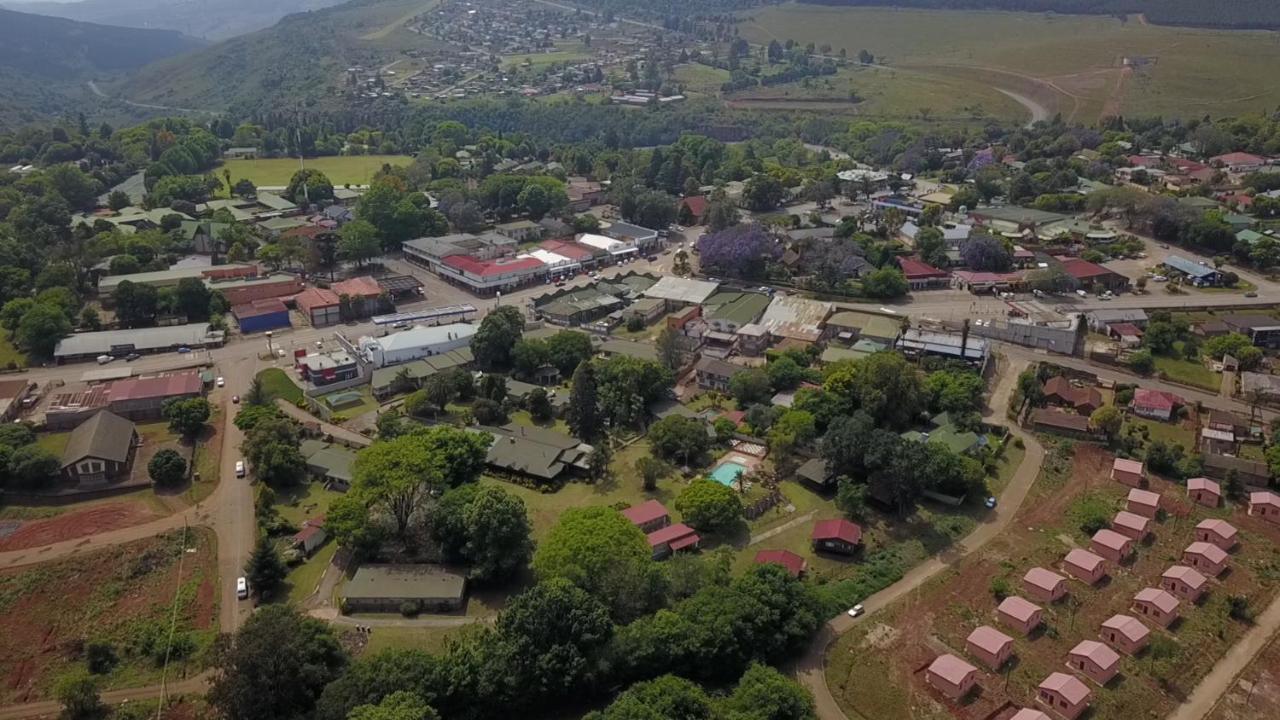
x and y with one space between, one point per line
260 315
320 306
389 588
170 278
118 343
240 291
415 343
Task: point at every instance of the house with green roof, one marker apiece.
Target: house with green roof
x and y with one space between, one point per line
853 325
1249 236
735 310
943 431
329 463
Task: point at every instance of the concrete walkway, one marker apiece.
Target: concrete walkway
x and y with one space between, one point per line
1219 680
781 528
811 667
339 433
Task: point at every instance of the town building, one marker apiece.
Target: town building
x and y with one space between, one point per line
389 588
430 252
1111 545
1020 614
671 539
1064 695
916 343
1044 585
1099 320
1058 390
415 343
1125 633
310 537
144 398
851 326
1266 505
1094 276
539 453
952 677
1262 330
791 562
1204 492
1155 404
320 306
1206 557
836 536
715 374
796 318
362 295
327 368
1217 532
239 291
100 451
648 516
1184 582
1131 525
118 343
1156 605
170 278
1094 660
681 292
921 275
990 646
640 238
520 230
261 315
1085 566
1143 502
13 395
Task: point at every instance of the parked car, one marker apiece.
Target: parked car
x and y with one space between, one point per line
652 258
854 611
131 357
104 359
400 326
220 382
1251 294
990 502
184 350
235 399
242 588
240 472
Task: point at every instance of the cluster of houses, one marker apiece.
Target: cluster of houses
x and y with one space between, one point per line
1066 695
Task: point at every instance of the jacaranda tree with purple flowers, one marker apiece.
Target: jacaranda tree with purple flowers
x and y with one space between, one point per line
741 251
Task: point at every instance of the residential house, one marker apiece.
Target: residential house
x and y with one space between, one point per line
538 453
1239 162
1204 492
389 588
951 676
814 471
310 537
1019 614
1156 605
1111 545
671 539
836 536
329 464
921 275
1029 714
1217 532
1131 525
1129 472
648 516
1262 330
1058 390
1094 660
715 374
1099 320
100 451
1085 566
791 562
1125 633
1062 423
1064 695
1044 585
990 646
520 230
1155 404
1143 502
1184 582
1206 557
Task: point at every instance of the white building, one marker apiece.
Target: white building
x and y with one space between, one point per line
617 249
415 343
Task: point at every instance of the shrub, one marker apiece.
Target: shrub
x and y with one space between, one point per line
409 608
100 657
1000 588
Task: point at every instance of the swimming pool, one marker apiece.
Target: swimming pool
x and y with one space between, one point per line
727 472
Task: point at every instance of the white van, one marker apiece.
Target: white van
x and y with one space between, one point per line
242 588
104 359
239 468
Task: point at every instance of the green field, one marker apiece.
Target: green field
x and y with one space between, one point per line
277 384
1069 64
571 52
340 169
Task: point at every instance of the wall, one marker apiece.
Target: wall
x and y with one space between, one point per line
1060 340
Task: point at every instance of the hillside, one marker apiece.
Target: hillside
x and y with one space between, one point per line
299 60
211 21
45 62
1240 14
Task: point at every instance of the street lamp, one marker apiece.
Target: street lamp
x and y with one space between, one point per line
270 349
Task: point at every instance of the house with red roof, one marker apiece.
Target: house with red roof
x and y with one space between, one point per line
310 537
1157 605
1131 525
672 539
1129 472
1184 582
1239 162
363 294
920 274
486 277
649 515
1125 633
1266 505
1044 585
1204 492
1128 334
951 676
1111 545
837 536
1217 532
1029 714
791 562
320 306
990 646
697 207
1058 390
1019 614
1093 276
1155 404
1064 695
1205 557
1085 566
1143 502
1094 660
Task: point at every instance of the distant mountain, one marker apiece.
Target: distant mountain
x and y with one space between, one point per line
45 63
1227 14
203 19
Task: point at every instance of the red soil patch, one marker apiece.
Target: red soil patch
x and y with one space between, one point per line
206 605
100 519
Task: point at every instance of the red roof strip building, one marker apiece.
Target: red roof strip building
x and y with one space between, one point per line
645 513
153 387
489 268
837 529
917 269
678 536
793 563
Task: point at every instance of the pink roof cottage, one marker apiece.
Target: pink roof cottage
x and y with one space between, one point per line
1094 660
648 516
1266 505
1125 633
1111 545
1029 714
1019 614
1157 605
1143 502
1184 582
951 676
1044 585
1064 694
1084 566
1131 525
1217 532
1204 491
990 646
1205 557
1129 472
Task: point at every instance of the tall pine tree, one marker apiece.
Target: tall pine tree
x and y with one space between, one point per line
584 403
265 570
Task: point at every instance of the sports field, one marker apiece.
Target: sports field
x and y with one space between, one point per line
1082 66
341 170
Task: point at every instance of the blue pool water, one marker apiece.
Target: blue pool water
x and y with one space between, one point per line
726 473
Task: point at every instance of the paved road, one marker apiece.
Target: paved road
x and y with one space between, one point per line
340 433
811 668
1224 673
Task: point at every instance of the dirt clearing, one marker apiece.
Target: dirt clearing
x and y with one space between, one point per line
73 525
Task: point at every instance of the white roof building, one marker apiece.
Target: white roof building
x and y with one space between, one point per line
550 259
608 244
683 290
416 343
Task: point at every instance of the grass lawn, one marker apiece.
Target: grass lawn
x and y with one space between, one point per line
1173 432
304 502
573 52
522 417
1006 467
1242 286
341 169
55 442
303 579
700 78
10 354
431 639
278 384
1189 372
367 403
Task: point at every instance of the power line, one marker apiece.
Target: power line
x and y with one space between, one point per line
173 623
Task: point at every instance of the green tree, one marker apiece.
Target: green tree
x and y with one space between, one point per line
679 437
583 414
187 416
309 185
265 571
1141 362
486 527
13 311
1107 419
556 632
710 506
275 666
600 551
931 247
41 328
358 242
750 386
400 705
650 470
885 283
762 193
271 447
667 697
167 468
766 694
192 298
539 405
78 694
785 374
496 337
33 467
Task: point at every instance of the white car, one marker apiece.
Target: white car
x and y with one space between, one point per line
221 382
854 611
242 588
240 468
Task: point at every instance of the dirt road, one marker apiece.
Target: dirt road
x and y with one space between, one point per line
51 708
1219 680
811 668
1038 112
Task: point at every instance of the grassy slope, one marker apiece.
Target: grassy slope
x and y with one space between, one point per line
1196 70
342 170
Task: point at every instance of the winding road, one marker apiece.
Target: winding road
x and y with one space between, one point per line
1038 112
